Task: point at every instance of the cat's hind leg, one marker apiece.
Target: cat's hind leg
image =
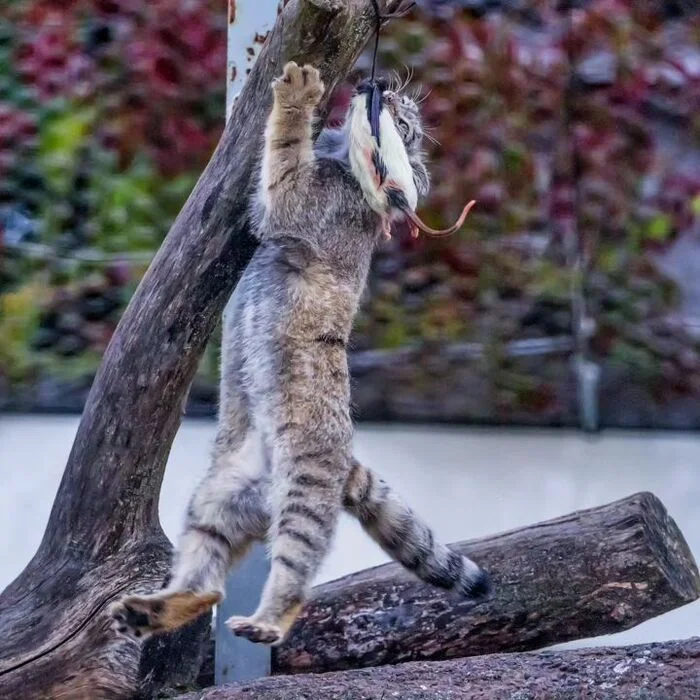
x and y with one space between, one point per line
310 443
306 506
226 514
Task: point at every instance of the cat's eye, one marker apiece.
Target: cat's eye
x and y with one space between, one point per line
402 126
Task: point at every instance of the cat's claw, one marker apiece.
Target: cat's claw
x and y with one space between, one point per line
298 86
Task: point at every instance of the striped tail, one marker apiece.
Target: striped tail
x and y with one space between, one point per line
406 538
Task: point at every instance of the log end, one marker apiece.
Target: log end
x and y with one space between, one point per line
670 548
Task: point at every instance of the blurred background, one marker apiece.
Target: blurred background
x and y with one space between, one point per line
577 129
569 300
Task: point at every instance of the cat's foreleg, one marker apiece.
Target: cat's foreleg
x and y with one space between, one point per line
288 148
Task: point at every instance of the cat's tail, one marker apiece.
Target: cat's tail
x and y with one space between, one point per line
406 538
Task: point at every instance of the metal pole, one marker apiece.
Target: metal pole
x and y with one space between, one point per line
248 27
238 659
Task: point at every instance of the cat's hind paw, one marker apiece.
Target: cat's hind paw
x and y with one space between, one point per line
142 616
255 630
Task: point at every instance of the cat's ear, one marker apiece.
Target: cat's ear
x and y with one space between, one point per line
382 84
364 87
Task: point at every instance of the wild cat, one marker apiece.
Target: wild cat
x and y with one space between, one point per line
283 466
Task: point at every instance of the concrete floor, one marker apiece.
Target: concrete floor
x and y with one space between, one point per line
466 482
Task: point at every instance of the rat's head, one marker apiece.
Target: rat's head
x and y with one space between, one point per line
404 112
406 116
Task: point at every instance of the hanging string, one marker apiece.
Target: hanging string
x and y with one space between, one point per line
374 95
374 108
379 17
378 28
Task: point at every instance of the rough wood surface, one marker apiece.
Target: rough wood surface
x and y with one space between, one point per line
593 572
668 671
103 536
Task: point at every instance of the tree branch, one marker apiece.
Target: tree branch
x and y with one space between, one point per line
668 671
593 572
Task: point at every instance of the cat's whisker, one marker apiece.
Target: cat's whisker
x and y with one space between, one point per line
409 77
424 97
406 80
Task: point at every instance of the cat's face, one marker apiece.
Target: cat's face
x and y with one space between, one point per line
407 119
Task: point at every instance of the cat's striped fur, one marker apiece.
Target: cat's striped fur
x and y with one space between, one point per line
283 467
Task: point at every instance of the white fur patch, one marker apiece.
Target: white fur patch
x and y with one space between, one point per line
392 152
362 143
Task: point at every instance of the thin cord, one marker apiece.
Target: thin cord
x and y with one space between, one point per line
374 96
378 17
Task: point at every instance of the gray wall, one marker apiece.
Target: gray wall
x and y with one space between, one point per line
466 482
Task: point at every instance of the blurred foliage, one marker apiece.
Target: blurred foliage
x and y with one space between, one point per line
575 126
577 132
108 113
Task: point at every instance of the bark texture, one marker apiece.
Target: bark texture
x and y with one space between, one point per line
103 537
593 572
668 671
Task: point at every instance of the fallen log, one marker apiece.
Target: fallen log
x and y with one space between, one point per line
104 537
667 671
593 572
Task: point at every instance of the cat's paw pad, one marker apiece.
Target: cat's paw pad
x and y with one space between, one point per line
298 86
254 630
137 616
141 616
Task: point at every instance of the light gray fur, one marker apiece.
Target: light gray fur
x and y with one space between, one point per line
283 466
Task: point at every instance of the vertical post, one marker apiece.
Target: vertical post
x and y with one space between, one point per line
248 26
588 383
237 659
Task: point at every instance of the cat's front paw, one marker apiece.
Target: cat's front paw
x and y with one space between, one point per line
298 86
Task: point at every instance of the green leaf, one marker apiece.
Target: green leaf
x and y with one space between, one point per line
659 228
695 205
513 158
61 134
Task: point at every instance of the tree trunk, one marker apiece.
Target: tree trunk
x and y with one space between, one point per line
667 671
594 572
103 537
